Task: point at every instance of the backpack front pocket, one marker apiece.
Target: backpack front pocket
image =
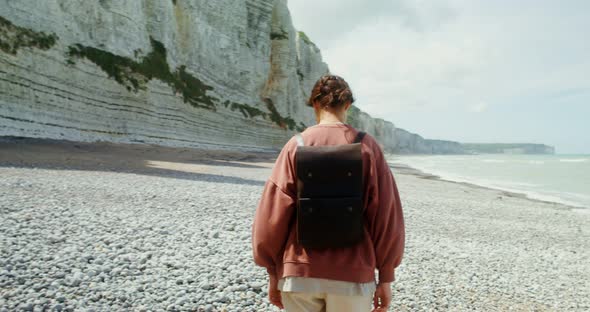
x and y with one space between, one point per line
329 222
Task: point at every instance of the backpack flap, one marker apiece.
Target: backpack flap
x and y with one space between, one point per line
329 170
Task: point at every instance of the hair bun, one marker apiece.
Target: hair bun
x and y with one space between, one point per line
332 91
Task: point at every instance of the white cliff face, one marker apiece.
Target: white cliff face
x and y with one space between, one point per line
215 74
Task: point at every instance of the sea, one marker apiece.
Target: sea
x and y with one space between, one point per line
557 178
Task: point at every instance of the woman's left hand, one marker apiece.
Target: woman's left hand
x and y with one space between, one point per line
274 294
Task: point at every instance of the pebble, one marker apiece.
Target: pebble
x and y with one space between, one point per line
96 241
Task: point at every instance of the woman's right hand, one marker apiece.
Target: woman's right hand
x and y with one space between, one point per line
274 294
382 297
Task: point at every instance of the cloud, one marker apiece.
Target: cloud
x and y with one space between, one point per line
409 58
328 20
479 107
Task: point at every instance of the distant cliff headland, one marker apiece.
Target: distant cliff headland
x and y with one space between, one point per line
213 74
500 148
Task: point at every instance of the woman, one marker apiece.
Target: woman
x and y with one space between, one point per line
334 279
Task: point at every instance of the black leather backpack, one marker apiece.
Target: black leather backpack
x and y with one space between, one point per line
329 194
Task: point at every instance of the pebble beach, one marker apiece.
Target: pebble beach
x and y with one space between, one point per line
105 227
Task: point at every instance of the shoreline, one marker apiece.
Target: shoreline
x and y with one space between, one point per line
101 159
407 169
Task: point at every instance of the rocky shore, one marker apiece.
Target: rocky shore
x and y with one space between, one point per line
105 227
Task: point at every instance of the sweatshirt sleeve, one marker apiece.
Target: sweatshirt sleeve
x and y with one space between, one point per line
274 212
385 217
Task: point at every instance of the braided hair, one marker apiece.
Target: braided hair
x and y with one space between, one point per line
330 91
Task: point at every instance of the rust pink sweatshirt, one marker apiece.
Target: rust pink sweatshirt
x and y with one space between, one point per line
274 241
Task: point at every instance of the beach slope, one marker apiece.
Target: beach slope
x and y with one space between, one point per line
136 227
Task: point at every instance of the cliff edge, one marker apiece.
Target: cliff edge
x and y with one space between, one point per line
214 74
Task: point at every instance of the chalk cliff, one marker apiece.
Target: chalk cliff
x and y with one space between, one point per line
215 74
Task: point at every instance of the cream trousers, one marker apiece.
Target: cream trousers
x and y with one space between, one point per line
322 302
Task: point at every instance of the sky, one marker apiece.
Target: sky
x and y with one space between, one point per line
463 70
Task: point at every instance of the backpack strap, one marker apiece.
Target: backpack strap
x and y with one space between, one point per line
299 139
359 137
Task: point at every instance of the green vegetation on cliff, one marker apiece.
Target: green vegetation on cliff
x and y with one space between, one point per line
300 74
133 75
251 112
305 38
301 127
246 110
283 35
13 37
283 122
